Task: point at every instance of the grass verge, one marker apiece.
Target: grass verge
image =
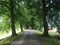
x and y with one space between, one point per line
50 41
8 40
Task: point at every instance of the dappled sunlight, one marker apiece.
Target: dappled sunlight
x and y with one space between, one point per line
18 30
8 34
31 31
5 35
27 39
54 30
29 21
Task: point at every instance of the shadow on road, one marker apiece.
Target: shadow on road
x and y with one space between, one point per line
29 38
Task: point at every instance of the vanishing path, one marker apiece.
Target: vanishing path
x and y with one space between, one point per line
29 38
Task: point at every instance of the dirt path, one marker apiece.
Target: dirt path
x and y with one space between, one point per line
29 38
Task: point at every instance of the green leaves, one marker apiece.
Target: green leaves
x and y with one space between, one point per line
4 23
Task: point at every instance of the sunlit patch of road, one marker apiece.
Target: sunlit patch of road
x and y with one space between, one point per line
29 31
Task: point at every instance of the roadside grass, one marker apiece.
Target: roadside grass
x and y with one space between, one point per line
45 40
53 34
38 32
8 40
50 41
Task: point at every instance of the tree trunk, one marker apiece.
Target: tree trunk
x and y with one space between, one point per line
44 10
32 23
21 27
12 18
27 25
58 29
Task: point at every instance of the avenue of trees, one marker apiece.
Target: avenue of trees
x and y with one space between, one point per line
36 14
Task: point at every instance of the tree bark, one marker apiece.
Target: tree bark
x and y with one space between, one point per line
21 27
32 23
58 29
45 24
12 18
27 25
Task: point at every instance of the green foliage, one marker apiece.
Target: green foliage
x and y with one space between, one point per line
24 12
5 23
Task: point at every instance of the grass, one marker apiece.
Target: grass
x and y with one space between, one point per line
45 40
38 32
9 39
50 41
54 34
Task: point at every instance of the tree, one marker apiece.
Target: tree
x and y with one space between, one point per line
12 17
45 24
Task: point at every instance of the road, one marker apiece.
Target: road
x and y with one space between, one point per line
29 38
